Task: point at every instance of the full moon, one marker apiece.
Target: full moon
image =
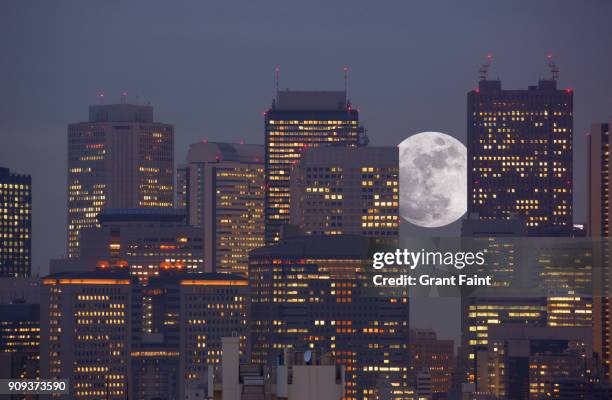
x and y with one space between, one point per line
433 179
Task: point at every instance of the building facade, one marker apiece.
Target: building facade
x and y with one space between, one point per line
184 318
485 312
433 358
520 146
314 293
599 225
15 224
533 363
19 341
223 192
119 158
147 241
346 190
86 332
299 120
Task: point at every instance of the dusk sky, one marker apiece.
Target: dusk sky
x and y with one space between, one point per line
208 69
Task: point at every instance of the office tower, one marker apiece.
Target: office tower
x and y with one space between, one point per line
189 316
315 292
525 362
19 341
432 360
119 158
346 190
15 224
299 120
86 332
565 270
599 212
491 309
600 171
224 196
146 241
520 155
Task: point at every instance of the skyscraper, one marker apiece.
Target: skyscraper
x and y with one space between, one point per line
86 332
346 190
224 196
314 292
120 158
15 224
600 172
299 120
599 225
520 155
527 362
489 310
189 316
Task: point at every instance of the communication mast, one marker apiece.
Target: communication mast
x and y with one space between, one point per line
554 70
346 71
484 68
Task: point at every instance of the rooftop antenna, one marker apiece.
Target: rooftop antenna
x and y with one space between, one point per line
554 70
124 97
484 68
346 71
276 77
101 96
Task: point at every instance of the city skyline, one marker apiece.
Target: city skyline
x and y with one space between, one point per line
388 87
203 200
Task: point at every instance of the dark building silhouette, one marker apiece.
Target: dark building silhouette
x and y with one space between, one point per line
15 224
19 341
599 225
299 120
315 292
520 155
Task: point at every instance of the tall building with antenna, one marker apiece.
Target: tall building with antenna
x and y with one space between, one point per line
520 153
298 120
119 158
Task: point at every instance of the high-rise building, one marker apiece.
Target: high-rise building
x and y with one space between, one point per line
486 311
299 120
120 158
109 334
599 174
314 292
520 155
224 196
525 362
19 341
15 224
346 190
184 318
86 332
146 241
599 228
431 357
